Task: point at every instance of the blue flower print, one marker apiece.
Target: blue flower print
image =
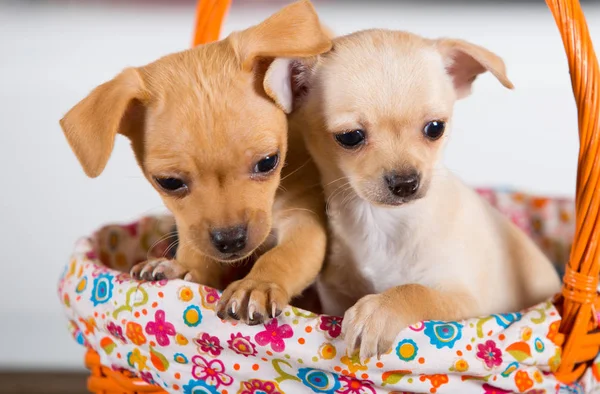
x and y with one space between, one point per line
506 319
443 334
319 381
199 387
103 288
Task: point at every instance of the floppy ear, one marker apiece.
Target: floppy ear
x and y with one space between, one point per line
465 61
293 32
288 80
92 124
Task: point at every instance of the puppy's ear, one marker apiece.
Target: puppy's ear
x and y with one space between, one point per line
292 33
92 124
288 80
465 61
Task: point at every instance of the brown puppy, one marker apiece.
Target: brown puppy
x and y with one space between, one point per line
409 241
208 128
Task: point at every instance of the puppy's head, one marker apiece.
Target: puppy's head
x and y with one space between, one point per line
379 107
208 128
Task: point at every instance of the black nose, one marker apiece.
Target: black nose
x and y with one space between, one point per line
402 185
229 239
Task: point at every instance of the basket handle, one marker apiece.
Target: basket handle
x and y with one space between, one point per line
580 282
209 19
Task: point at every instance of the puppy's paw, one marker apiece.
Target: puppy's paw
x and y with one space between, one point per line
371 326
252 301
158 269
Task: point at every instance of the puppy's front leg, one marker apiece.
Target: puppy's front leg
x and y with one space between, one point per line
280 274
188 265
373 323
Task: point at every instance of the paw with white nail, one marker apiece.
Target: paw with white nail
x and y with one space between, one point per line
371 326
252 301
158 269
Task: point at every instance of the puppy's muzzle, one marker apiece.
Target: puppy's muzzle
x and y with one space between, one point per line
403 185
229 240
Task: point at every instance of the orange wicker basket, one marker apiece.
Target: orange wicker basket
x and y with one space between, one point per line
579 297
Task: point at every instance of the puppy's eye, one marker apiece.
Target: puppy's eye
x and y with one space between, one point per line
267 164
350 139
171 184
434 130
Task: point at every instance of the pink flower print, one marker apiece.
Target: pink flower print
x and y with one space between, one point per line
147 377
208 344
159 283
118 368
332 325
274 335
212 295
257 386
487 389
212 372
489 354
242 345
160 328
132 228
116 331
521 220
354 386
122 278
489 195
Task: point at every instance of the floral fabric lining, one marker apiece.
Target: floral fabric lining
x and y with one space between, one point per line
169 335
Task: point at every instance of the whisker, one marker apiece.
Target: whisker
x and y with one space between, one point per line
173 245
336 180
339 191
179 242
347 199
296 170
161 239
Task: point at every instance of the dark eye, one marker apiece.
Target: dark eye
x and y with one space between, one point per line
434 130
266 164
171 185
350 139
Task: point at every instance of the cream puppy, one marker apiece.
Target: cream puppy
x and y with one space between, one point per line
409 240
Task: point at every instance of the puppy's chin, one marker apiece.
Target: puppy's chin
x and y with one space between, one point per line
384 199
232 258
393 202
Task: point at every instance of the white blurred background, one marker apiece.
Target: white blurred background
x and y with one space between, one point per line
53 54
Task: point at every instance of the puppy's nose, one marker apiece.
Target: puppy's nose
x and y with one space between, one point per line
229 239
402 185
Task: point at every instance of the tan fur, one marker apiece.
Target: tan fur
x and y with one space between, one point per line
204 116
444 254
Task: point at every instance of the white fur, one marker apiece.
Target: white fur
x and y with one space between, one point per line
449 240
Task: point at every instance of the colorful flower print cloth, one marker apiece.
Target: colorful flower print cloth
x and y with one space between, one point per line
168 334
